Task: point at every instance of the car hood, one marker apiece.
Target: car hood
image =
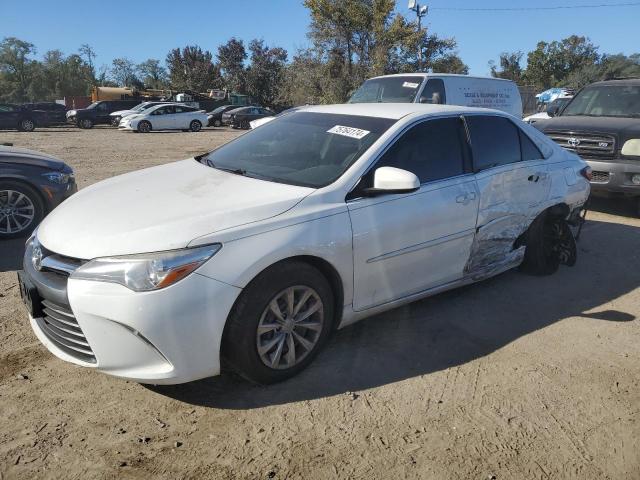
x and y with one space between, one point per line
161 208
624 127
30 157
121 112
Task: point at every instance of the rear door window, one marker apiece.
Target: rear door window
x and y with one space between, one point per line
432 150
495 141
528 148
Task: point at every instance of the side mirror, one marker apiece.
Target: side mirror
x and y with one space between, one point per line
392 180
552 110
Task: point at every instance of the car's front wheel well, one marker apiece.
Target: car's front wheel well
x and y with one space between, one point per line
37 190
326 269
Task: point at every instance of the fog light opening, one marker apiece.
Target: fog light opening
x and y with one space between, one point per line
635 179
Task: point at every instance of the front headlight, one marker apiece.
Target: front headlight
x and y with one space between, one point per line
631 148
149 271
58 177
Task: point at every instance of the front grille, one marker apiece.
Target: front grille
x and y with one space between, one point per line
599 177
586 144
61 327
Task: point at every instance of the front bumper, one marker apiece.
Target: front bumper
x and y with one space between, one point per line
614 177
166 336
125 126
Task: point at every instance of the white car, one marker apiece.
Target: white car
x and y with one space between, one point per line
552 107
120 114
165 117
258 250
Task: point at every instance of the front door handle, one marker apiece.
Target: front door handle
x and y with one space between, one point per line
533 178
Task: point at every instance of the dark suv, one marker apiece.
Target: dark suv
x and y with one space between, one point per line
602 125
20 118
98 112
55 113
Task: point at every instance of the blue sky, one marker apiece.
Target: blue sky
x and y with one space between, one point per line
121 28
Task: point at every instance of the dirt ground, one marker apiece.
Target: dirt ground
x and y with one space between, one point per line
516 377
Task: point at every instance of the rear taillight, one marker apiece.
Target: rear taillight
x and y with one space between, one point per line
586 172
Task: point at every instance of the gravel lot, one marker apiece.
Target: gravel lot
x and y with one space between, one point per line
516 377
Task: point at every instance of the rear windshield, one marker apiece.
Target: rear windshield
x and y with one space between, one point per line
301 148
401 89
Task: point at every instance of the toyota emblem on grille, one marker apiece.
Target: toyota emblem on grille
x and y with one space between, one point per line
36 257
573 141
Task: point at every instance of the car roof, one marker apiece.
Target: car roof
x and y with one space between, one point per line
394 111
455 75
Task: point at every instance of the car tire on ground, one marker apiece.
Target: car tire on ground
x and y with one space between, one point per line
144 126
217 123
21 209
27 125
195 126
115 121
85 123
279 323
549 243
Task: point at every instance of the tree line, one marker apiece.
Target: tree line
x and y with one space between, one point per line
350 40
572 62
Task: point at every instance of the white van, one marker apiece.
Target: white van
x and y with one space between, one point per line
441 88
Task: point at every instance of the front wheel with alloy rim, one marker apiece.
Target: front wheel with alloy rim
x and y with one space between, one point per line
27 125
217 123
21 209
85 123
144 127
280 322
195 126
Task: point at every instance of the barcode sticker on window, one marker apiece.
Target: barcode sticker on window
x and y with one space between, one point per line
410 85
350 132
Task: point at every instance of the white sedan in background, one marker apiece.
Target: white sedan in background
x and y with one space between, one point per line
117 116
254 253
166 117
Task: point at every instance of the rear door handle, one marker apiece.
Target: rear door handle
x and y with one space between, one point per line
464 199
533 178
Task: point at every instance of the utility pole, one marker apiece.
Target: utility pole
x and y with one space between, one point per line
421 11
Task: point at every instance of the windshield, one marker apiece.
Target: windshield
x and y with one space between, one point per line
387 90
302 148
142 106
606 101
93 105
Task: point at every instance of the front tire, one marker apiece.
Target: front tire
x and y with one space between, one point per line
279 323
21 209
195 126
217 123
144 127
85 123
27 125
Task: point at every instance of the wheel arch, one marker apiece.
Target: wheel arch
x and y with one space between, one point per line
325 268
24 181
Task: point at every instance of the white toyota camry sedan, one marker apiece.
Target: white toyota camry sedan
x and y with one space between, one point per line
251 255
165 117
